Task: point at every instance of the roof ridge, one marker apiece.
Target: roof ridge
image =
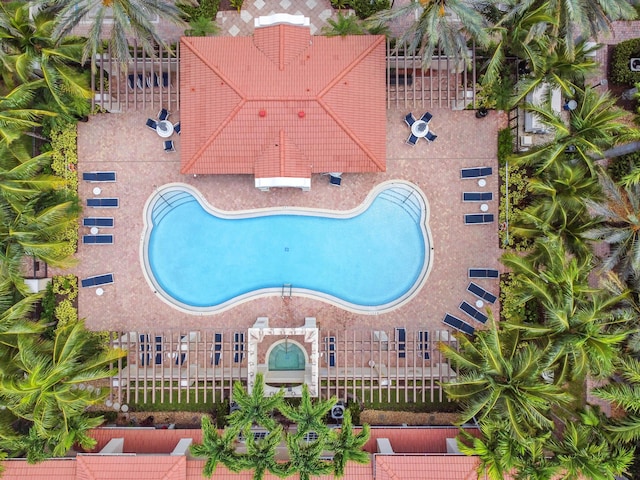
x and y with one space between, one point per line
354 138
213 68
387 468
213 136
179 464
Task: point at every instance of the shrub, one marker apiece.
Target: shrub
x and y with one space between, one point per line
518 200
620 167
66 285
48 304
366 8
511 309
505 145
620 72
64 152
65 312
205 8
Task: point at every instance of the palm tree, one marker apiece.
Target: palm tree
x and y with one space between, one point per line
343 25
500 375
217 448
43 387
29 53
593 127
131 19
304 458
261 455
16 114
558 207
255 408
441 25
620 226
307 416
583 327
347 446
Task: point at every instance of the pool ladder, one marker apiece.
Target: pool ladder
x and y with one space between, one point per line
286 290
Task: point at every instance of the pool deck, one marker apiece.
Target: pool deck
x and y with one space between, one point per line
122 143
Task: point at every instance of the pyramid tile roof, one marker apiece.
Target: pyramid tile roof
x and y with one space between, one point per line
283 103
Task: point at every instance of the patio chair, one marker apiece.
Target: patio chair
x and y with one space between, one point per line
481 293
153 81
158 356
401 339
477 196
102 202
426 117
134 81
101 222
97 280
152 124
478 218
483 273
99 177
97 239
431 137
330 350
169 146
409 119
457 324
165 79
335 179
423 344
412 140
176 127
145 350
473 312
163 114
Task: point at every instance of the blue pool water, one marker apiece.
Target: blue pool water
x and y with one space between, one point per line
203 260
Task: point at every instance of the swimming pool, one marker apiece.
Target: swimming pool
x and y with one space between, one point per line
370 259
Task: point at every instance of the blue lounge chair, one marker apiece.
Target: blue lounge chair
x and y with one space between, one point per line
412 140
476 172
152 124
238 347
477 196
473 312
163 114
176 128
431 137
99 176
216 355
97 239
426 117
165 79
457 324
483 273
145 350
97 280
478 218
409 119
102 202
481 293
153 80
330 349
134 81
335 179
401 339
101 222
158 356
423 344
169 146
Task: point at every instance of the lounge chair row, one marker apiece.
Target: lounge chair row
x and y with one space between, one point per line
152 80
101 222
99 176
475 172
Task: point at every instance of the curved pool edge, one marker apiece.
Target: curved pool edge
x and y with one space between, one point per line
286 210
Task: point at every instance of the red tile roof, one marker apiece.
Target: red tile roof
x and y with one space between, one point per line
18 469
131 467
419 467
282 103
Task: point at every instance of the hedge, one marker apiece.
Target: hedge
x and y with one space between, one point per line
620 72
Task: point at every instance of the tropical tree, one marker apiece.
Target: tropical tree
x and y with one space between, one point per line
619 216
131 19
305 457
42 386
217 448
29 53
16 113
593 127
343 25
255 407
309 416
348 446
441 26
261 455
502 376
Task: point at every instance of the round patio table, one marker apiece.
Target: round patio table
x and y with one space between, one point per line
420 128
165 128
